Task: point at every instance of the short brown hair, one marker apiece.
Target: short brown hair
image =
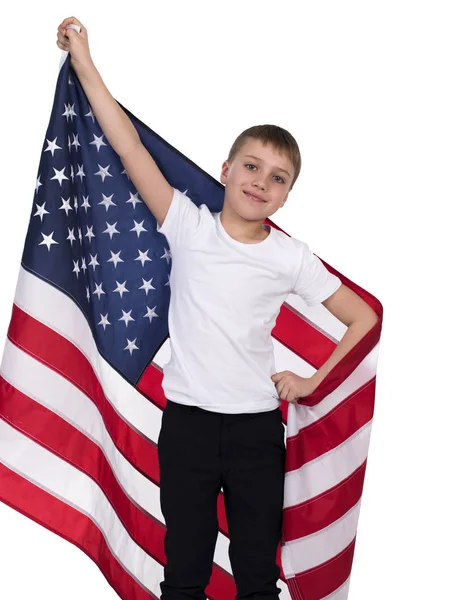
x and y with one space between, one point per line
278 137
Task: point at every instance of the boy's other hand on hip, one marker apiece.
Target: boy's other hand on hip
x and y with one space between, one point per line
291 387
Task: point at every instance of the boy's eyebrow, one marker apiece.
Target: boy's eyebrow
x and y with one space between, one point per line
256 158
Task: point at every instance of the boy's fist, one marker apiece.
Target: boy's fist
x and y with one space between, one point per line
291 387
77 44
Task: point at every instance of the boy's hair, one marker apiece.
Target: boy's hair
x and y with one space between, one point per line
278 137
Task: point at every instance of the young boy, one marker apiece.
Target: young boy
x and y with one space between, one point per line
222 426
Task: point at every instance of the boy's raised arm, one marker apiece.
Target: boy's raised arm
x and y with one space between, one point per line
116 125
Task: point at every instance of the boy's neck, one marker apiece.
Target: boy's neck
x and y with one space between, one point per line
240 229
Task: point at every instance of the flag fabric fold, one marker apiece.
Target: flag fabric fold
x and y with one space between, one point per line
80 381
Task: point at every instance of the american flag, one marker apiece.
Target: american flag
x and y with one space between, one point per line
80 393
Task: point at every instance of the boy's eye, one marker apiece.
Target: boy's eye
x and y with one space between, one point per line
278 176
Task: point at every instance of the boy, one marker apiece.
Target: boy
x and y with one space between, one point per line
222 426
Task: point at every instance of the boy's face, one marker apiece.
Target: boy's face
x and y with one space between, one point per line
261 171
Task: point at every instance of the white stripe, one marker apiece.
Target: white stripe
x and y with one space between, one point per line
59 478
326 471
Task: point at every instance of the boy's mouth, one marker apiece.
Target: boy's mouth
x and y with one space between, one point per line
254 198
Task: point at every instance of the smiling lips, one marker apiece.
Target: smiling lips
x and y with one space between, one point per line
253 197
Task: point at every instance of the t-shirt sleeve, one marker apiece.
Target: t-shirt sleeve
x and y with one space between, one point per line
182 220
314 282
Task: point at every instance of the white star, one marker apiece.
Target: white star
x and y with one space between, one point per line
143 257
47 240
98 290
125 173
52 146
83 265
79 234
150 314
107 201
131 345
104 321
138 228
147 285
85 204
69 144
167 255
87 293
76 268
134 199
121 289
80 172
168 281
69 111
71 174
93 261
59 175
115 258
38 184
76 204
41 211
103 172
111 229
98 141
90 234
126 317
71 237
66 205
91 114
75 143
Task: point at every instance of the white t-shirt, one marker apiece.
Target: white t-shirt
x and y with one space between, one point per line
225 298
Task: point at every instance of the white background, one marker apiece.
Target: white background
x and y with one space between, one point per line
379 97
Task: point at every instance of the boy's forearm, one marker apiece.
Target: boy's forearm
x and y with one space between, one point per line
115 124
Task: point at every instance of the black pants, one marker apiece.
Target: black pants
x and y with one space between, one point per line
201 452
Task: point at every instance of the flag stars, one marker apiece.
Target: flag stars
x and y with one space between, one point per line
90 234
38 184
85 204
59 176
143 257
131 345
115 258
121 289
71 237
76 268
150 313
41 211
75 141
87 293
167 255
103 172
133 199
83 265
52 147
126 316
91 115
72 174
98 290
98 142
138 228
79 234
80 172
104 321
111 229
66 205
69 111
76 204
93 261
147 285
48 240
107 201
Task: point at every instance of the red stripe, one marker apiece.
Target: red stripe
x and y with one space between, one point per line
70 524
64 440
318 513
319 582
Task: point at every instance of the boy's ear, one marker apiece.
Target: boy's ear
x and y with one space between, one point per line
224 173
